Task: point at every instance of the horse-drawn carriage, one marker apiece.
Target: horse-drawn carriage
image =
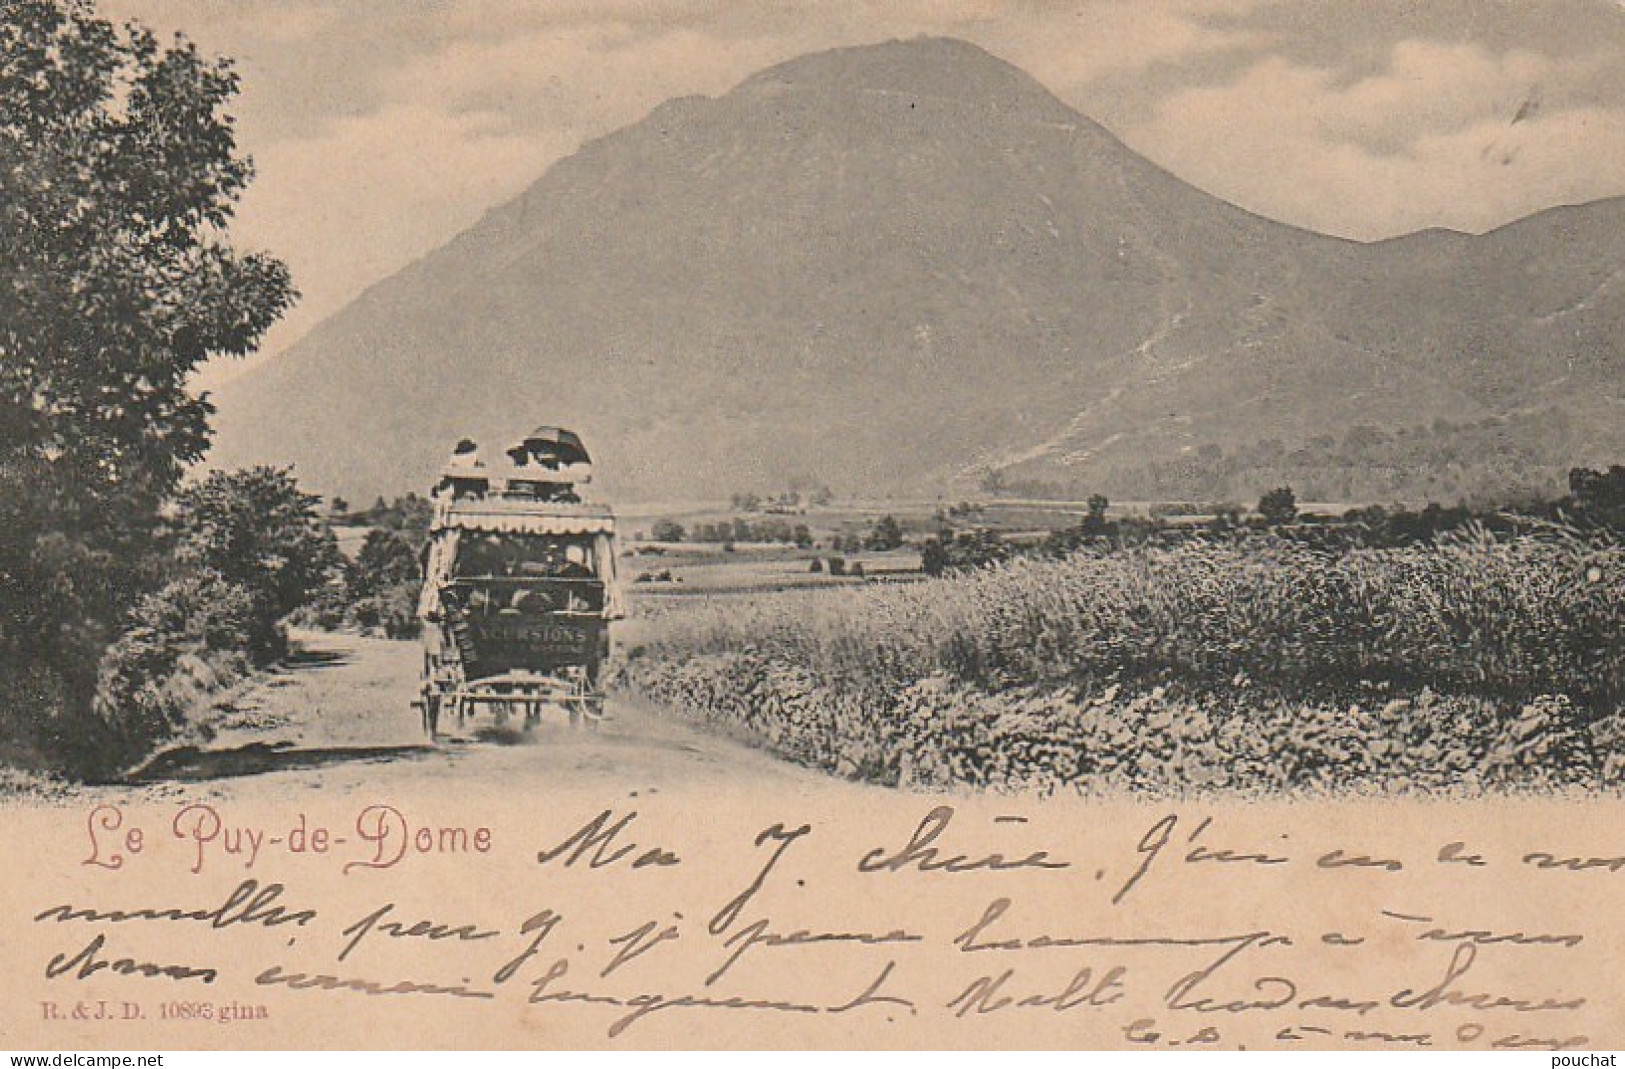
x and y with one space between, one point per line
519 586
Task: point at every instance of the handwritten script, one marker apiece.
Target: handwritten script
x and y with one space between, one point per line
913 922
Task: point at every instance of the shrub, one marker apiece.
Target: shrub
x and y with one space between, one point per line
186 639
668 531
886 534
393 612
1278 506
257 529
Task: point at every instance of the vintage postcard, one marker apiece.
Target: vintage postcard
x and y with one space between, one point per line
934 524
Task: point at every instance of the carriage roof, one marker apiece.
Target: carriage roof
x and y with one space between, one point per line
523 516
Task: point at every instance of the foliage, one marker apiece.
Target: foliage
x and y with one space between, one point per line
118 175
1278 506
392 610
381 586
846 543
1599 495
741 530
258 530
190 636
383 582
387 558
1095 530
940 732
1265 641
950 551
409 513
1158 741
886 534
668 531
249 548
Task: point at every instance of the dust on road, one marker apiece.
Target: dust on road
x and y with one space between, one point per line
337 718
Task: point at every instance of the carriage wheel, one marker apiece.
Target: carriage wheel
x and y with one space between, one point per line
431 713
592 702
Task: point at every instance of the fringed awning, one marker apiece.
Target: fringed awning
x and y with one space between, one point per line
499 516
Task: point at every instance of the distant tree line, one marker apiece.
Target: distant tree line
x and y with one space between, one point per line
1522 456
737 530
795 498
1596 502
404 513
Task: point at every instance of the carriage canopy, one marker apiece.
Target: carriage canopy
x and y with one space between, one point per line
498 538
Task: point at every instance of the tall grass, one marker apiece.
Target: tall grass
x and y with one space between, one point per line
1513 618
1503 621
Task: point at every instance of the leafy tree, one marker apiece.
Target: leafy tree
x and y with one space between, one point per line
934 555
965 550
885 534
118 176
257 529
1278 506
1097 508
387 558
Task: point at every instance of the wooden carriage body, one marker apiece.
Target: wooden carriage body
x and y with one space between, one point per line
519 591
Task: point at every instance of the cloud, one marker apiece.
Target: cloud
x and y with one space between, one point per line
1428 142
382 127
1069 51
1431 88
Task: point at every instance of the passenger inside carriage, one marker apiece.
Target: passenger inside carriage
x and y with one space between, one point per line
564 562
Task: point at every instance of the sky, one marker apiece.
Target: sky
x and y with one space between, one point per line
382 128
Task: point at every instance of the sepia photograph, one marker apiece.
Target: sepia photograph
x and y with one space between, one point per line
765 524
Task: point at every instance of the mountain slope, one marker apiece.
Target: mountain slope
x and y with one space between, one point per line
892 267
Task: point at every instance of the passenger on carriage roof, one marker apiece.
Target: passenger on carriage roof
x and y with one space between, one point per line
463 476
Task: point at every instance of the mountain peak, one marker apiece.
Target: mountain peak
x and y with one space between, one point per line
942 68
888 267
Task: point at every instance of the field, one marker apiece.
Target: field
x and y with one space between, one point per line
1476 663
664 568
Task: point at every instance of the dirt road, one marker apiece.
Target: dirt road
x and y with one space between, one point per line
338 718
